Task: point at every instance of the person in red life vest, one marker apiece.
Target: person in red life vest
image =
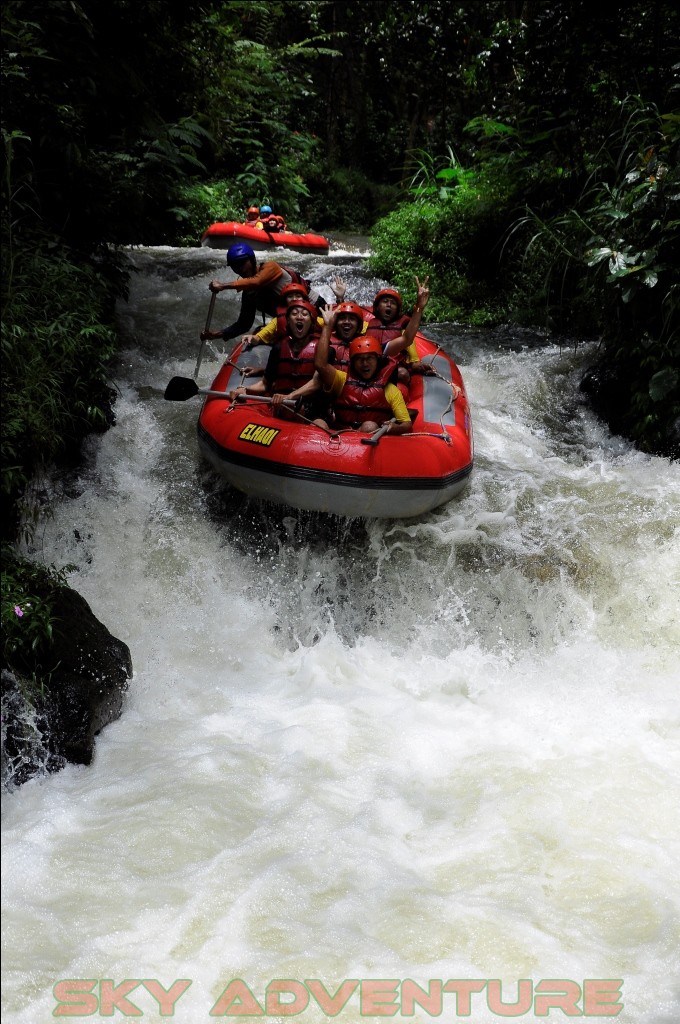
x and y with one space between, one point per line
274 224
363 396
289 372
275 329
389 323
260 285
348 325
253 216
400 347
388 320
271 222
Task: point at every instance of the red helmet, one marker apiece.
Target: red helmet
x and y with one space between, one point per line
364 346
351 307
384 293
304 304
299 288
254 210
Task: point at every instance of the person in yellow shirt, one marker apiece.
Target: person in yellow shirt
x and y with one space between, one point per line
363 396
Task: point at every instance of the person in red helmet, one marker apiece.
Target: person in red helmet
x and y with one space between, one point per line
289 372
274 223
389 324
364 395
349 324
275 329
397 344
388 320
253 216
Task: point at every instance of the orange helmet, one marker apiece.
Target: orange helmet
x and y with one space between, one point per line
384 293
255 210
294 288
351 307
364 346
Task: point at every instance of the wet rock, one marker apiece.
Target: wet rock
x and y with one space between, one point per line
54 717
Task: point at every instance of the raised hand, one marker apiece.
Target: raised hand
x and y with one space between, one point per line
423 293
328 315
339 288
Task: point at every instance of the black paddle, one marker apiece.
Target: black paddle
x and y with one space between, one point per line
377 434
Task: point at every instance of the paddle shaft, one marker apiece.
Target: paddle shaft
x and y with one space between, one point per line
239 399
207 328
180 389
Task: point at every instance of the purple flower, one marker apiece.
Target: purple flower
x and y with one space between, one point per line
18 611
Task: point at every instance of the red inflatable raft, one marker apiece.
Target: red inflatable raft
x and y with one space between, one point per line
222 235
346 472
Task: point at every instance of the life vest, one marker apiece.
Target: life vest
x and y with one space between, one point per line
281 322
295 370
360 399
268 300
386 332
341 350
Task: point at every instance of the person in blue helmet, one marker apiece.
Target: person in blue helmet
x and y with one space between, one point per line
272 222
260 286
265 214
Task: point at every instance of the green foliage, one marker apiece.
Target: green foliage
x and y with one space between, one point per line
258 64
280 183
436 177
200 204
453 234
57 343
28 592
344 200
616 253
96 137
135 191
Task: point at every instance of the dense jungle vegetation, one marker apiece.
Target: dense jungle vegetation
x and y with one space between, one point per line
524 154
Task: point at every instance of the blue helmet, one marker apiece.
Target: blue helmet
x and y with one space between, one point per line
266 209
239 251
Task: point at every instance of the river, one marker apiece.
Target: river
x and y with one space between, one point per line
391 751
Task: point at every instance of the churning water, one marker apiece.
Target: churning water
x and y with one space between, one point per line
408 751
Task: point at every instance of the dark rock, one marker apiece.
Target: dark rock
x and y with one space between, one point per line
90 678
53 718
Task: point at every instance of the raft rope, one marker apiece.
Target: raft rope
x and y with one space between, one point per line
455 393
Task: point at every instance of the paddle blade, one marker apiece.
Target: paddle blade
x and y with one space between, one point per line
181 388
